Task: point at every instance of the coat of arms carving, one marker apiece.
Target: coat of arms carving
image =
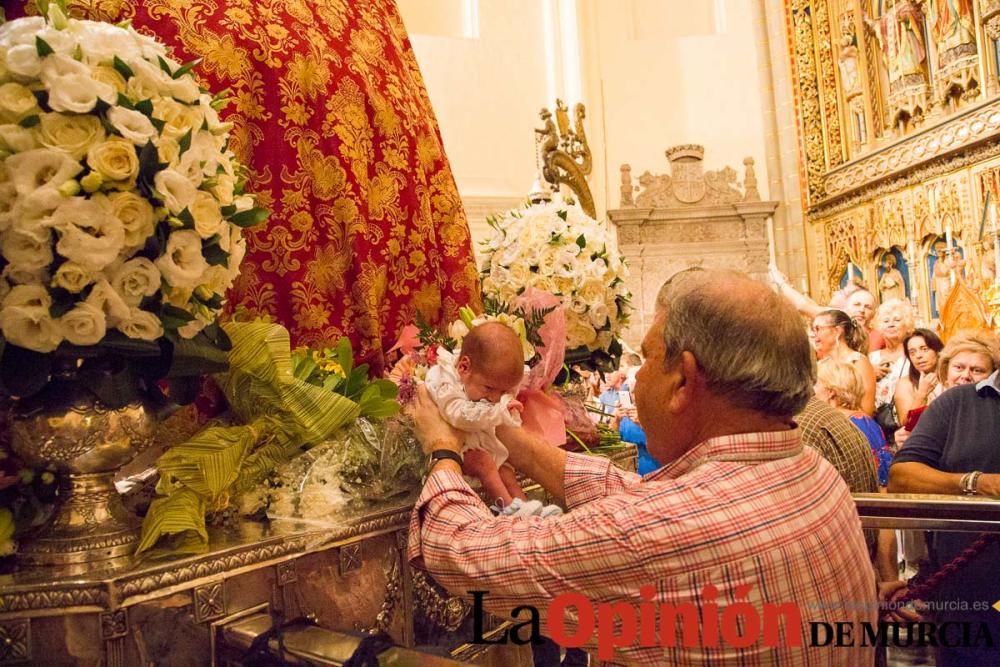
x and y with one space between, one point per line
686 172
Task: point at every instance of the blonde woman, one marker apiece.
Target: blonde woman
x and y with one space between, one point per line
834 335
894 320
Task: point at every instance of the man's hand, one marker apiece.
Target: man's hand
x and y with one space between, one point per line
429 426
889 592
900 437
988 485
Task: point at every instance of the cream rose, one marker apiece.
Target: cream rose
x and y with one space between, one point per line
141 324
33 170
72 277
114 159
71 134
191 329
183 265
189 167
78 93
19 277
90 234
136 215
16 139
109 75
168 150
132 125
104 297
16 102
579 333
135 279
177 296
30 327
176 191
223 189
593 292
207 215
28 249
179 118
84 324
4 289
28 295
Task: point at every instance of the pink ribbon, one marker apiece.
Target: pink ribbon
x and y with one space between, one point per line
543 413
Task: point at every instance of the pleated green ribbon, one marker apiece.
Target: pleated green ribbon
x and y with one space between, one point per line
281 414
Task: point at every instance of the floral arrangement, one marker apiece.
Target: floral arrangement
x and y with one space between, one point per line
121 205
557 248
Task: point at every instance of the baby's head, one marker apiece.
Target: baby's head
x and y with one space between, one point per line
491 362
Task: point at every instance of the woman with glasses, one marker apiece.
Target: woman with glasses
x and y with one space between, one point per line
834 335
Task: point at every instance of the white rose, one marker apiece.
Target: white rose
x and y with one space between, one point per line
185 89
216 280
28 249
174 189
84 324
579 333
72 277
62 42
40 168
101 42
136 216
599 315
141 324
16 102
135 279
243 203
236 253
115 159
189 167
150 47
16 139
168 150
223 189
593 292
207 215
104 297
21 31
35 296
521 274
57 66
19 277
90 234
132 125
23 62
71 134
30 327
78 93
183 265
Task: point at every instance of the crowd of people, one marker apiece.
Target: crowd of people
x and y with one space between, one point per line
749 447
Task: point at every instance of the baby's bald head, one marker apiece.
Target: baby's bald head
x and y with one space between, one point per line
491 361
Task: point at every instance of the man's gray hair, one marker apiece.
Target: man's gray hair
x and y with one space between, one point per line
749 342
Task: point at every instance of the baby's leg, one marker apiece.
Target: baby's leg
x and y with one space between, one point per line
479 464
509 478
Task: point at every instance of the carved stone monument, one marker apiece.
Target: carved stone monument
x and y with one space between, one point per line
689 217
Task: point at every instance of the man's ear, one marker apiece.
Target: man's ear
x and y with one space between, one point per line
688 382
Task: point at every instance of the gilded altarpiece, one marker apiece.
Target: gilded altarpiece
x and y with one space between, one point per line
898 115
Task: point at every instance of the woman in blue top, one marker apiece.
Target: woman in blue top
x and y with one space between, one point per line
626 420
840 385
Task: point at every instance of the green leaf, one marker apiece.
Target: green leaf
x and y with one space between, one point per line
144 107
113 389
42 97
149 166
181 514
158 124
186 67
563 215
125 102
123 68
42 47
215 256
228 210
164 66
254 216
120 344
62 302
345 356
186 217
174 313
29 121
197 356
581 241
185 142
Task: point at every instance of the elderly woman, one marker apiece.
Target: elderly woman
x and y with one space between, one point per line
894 320
920 385
953 450
836 336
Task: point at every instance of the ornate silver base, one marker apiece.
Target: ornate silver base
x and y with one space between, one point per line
90 529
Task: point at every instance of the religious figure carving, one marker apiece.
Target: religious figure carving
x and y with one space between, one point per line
891 285
900 35
951 23
953 32
565 154
850 79
948 265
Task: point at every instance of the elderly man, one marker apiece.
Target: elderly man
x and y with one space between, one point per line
724 555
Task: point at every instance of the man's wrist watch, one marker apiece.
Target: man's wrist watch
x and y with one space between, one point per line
441 454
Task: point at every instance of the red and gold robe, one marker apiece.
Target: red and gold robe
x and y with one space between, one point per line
333 120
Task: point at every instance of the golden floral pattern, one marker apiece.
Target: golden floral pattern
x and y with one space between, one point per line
331 114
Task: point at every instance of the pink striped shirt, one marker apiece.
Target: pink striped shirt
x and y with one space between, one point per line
752 509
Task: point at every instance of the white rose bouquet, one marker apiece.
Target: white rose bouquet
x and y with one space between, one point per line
557 248
121 206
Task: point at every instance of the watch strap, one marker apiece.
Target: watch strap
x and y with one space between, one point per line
441 454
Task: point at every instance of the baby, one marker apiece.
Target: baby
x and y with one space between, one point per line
474 392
